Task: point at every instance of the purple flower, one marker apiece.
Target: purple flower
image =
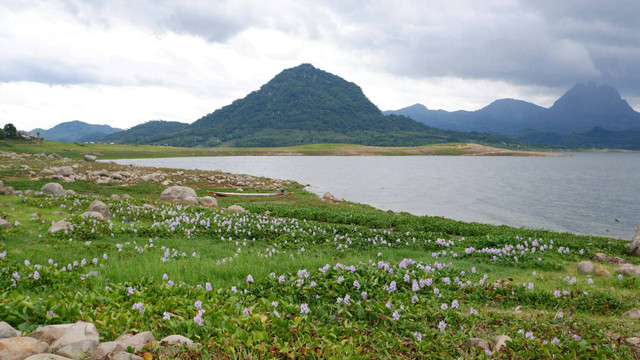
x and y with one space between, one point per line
555 340
418 336
245 311
198 305
208 286
454 304
138 306
529 335
198 318
249 278
166 315
165 277
473 311
51 313
276 313
442 325
444 306
576 336
356 284
395 315
304 309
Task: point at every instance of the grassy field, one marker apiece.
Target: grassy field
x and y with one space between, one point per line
298 277
116 151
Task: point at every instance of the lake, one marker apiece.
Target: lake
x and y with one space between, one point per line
586 193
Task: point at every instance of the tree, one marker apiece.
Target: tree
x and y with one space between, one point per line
3 134
10 130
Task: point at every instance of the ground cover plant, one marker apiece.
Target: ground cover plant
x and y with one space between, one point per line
298 277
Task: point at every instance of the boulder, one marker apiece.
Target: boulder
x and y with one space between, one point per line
586 267
6 190
500 342
603 273
180 194
634 247
5 224
84 349
7 331
94 214
52 188
50 333
55 156
100 207
627 269
60 225
122 355
47 357
79 332
66 171
172 343
633 341
237 208
106 348
115 197
478 343
632 314
138 341
328 196
19 348
208 201
90 158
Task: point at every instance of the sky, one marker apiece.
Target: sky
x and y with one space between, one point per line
123 62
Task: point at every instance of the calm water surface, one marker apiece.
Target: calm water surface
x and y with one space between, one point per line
584 193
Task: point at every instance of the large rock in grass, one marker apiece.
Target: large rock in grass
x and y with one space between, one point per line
628 270
500 341
60 225
634 247
90 158
19 348
237 209
100 207
53 188
478 343
7 331
5 224
138 341
180 194
208 201
586 267
633 314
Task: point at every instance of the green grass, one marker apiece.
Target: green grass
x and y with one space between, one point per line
300 233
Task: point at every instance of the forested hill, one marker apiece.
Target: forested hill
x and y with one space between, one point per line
305 105
154 131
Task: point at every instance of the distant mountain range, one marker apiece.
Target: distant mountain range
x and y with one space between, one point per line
301 105
76 131
586 116
305 105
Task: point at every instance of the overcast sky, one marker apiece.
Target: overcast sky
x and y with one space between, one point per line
123 62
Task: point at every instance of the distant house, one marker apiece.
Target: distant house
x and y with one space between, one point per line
26 135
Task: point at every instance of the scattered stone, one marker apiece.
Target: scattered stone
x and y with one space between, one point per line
5 224
47 357
55 156
60 225
627 269
500 342
126 196
478 343
600 257
6 190
18 348
100 207
115 197
66 171
180 194
632 341
208 201
106 348
117 176
121 355
53 188
138 341
586 267
172 343
78 332
634 247
603 273
518 309
7 331
90 158
94 214
632 314
237 208
79 350
69 192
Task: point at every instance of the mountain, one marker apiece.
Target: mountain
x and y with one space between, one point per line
75 131
582 108
305 105
151 132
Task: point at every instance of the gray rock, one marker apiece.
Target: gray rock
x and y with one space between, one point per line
122 355
634 247
237 208
19 348
7 331
66 171
103 173
116 176
79 331
138 341
180 194
47 357
55 156
208 201
6 190
60 225
90 158
104 349
79 350
126 196
94 214
1 183
500 341
115 197
50 333
172 343
632 314
634 341
53 188
586 267
479 343
5 224
100 207
603 273
627 269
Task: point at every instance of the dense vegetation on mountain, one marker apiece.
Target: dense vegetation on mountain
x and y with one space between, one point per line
75 131
586 116
155 131
305 105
